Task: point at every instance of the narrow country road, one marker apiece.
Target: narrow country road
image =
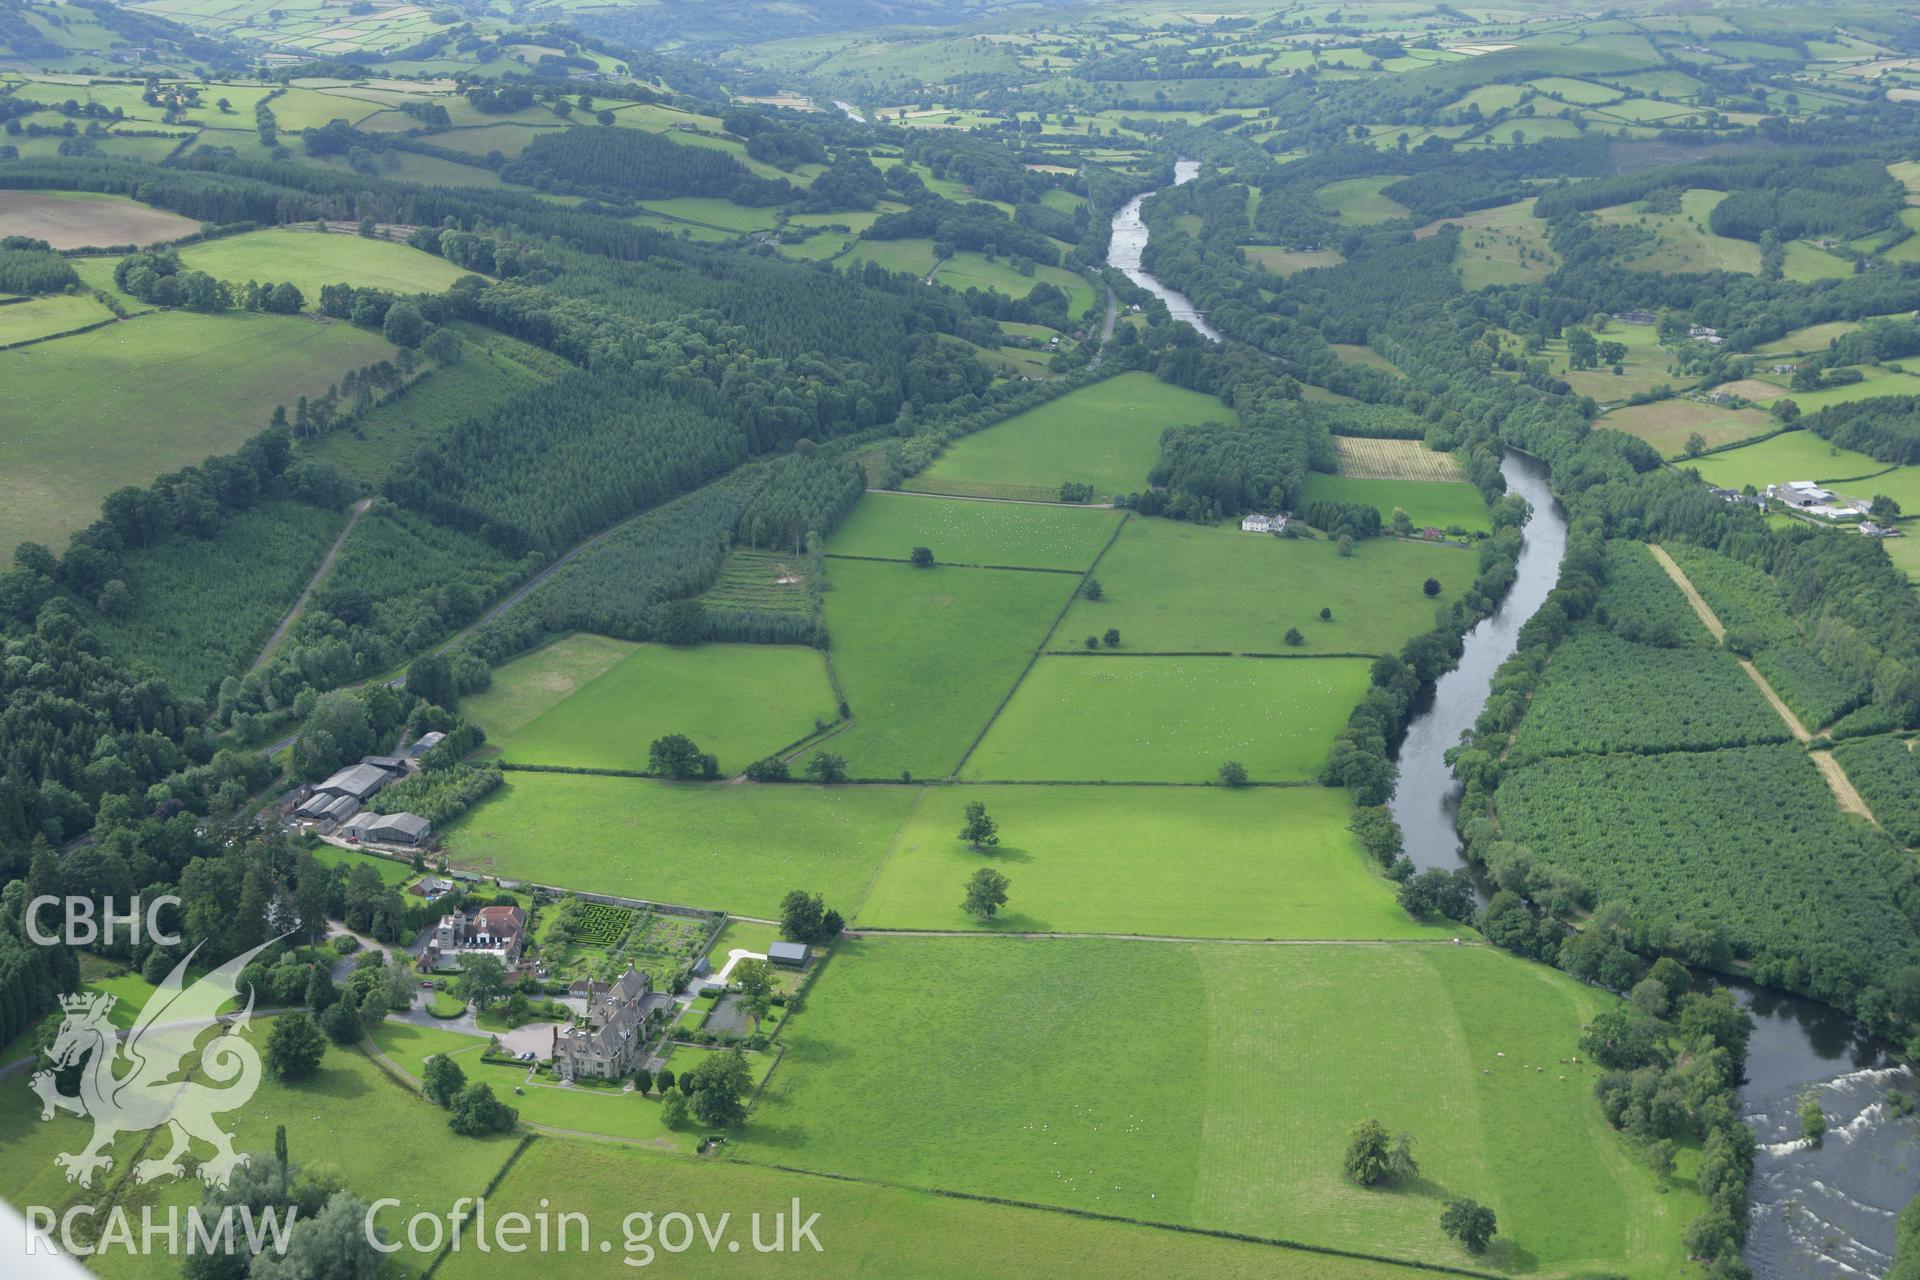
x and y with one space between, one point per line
313 584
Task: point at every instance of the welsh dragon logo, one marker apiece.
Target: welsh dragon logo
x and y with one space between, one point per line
133 1085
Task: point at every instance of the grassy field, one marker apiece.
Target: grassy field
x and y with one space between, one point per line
970 270
1793 455
863 1229
350 1118
1667 424
1284 262
1682 241
43 317
1263 862
310 260
1166 719
1502 245
389 870
1644 368
737 701
1815 337
891 525
1875 381
78 219
914 256
1175 587
1357 202
1231 1108
1106 435
924 656
1369 459
122 404
737 848
535 683
1443 504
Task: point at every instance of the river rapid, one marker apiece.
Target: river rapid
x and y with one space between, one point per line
1819 1213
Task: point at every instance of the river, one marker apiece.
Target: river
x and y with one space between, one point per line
1129 241
1819 1213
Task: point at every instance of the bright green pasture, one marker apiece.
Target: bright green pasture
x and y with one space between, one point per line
1357 202
1876 381
738 848
389 870
925 655
957 531
122 404
737 701
1166 719
914 256
1815 337
1259 862
863 1229
713 211
1441 503
1229 1104
535 683
1106 435
970 270
43 317
1793 455
1169 586
310 259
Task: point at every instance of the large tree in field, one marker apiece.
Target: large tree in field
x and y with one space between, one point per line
986 893
1368 1160
720 1086
442 1079
1470 1223
476 1112
980 830
294 1047
675 756
482 980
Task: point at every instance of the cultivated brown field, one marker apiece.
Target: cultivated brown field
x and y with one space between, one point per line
1364 459
79 219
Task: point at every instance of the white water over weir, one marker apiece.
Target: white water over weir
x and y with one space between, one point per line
1818 1212
1130 241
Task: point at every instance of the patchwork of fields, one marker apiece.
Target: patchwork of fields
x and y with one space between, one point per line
1226 1106
1106 435
740 702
